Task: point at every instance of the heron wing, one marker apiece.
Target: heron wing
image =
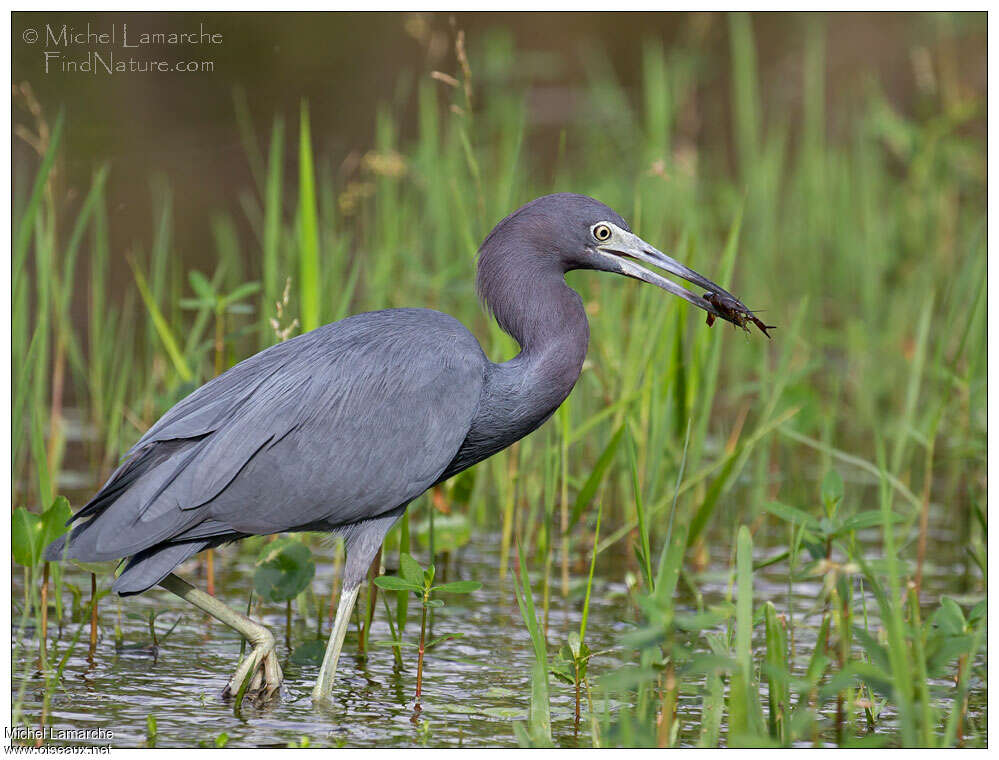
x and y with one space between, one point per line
335 426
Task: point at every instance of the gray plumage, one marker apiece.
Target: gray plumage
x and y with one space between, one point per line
340 428
311 434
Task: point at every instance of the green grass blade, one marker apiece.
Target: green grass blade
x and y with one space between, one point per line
28 218
308 270
596 476
162 326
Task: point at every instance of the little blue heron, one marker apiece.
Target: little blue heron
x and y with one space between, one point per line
339 429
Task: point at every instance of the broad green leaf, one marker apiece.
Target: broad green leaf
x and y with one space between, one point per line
25 537
832 491
54 520
949 618
395 583
574 644
309 653
791 514
978 611
201 286
942 656
862 520
411 570
284 570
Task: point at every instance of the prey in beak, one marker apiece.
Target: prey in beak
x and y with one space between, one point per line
624 252
736 313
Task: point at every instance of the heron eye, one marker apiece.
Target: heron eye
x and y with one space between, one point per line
602 232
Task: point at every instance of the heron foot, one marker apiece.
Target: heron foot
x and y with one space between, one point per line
259 670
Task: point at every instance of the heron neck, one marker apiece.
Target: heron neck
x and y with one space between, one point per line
548 320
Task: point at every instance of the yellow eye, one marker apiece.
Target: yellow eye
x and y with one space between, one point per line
602 232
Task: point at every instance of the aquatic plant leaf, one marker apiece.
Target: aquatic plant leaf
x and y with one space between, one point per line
54 520
499 692
411 570
507 713
873 649
563 670
832 491
791 514
949 618
442 639
978 612
395 583
862 520
201 285
284 570
25 537
309 653
944 653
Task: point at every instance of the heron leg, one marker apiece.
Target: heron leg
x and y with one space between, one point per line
261 665
324 683
363 541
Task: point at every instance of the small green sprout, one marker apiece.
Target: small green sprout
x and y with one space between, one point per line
414 578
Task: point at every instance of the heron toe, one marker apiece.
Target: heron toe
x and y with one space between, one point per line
260 670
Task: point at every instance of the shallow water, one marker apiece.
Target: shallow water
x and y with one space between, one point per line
474 687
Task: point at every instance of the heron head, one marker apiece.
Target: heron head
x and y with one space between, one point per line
577 232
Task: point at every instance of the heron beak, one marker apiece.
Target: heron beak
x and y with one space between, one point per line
626 251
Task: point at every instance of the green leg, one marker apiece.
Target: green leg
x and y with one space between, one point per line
262 660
